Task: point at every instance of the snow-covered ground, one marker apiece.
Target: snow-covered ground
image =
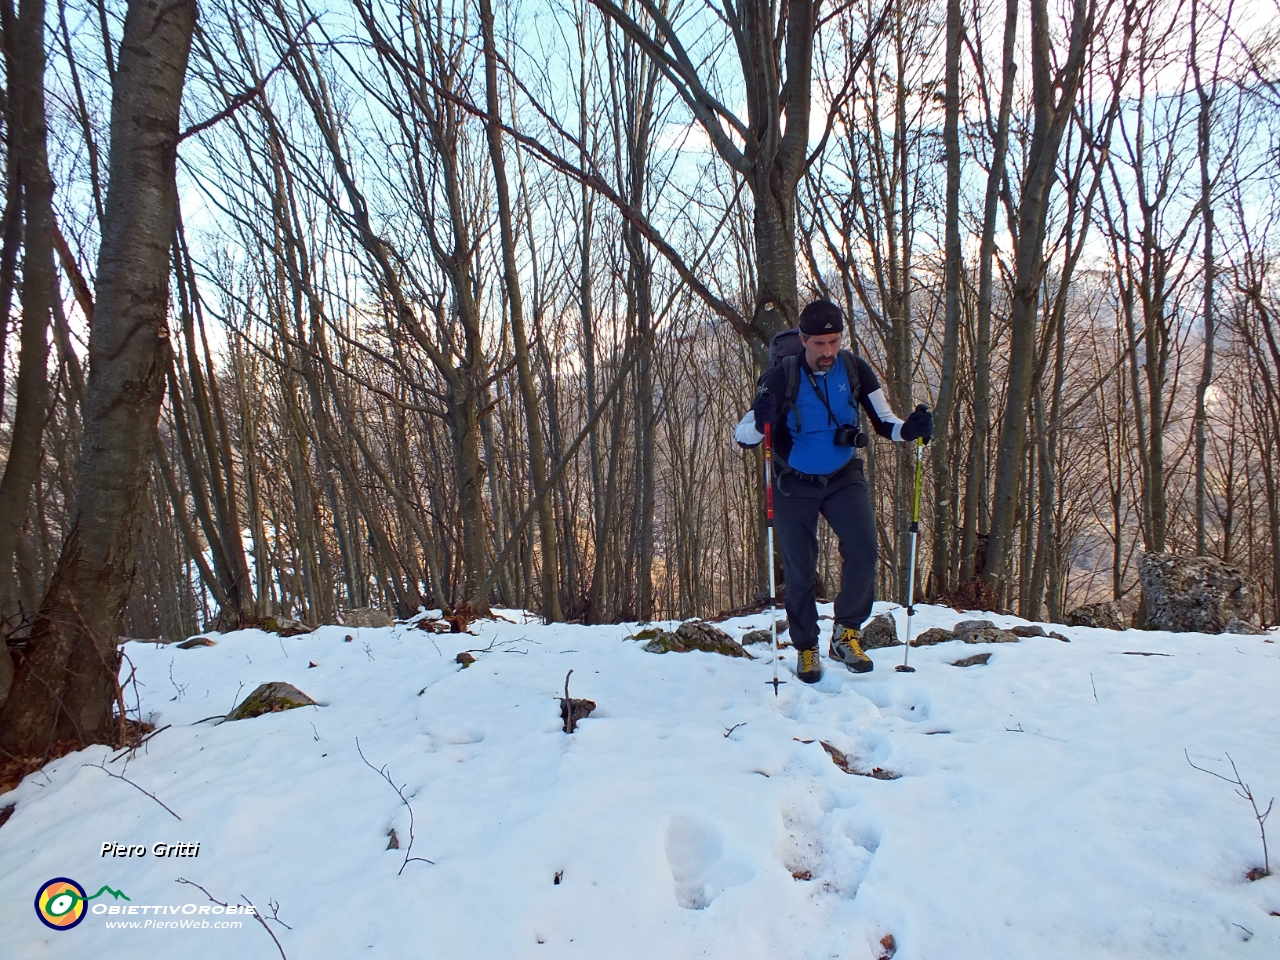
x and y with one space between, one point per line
1044 808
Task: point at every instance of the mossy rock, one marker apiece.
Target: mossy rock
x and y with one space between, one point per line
931 636
274 697
664 642
700 635
648 633
693 635
286 627
990 635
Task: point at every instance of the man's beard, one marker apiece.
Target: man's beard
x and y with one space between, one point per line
826 363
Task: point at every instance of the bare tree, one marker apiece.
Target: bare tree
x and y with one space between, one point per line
65 684
1053 96
769 150
25 54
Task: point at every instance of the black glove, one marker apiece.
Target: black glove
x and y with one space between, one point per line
765 409
919 425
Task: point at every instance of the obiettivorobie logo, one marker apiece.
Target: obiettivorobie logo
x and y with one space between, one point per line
61 903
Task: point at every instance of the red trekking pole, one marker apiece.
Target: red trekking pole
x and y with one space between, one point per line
773 593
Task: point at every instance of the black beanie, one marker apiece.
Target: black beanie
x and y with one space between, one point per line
820 318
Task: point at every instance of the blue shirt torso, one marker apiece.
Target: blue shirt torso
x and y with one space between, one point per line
813 448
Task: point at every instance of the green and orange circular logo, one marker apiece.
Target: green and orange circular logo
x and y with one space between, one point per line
61 903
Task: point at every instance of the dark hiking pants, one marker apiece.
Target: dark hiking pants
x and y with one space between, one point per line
845 501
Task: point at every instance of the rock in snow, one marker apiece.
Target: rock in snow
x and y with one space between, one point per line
368 617
271 697
1199 594
1106 615
880 632
983 631
933 635
692 635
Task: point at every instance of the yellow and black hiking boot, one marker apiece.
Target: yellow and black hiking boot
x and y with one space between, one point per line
846 648
809 665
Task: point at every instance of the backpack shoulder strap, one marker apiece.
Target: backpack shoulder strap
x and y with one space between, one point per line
791 366
851 371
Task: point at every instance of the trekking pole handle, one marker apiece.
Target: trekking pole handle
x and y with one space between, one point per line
768 472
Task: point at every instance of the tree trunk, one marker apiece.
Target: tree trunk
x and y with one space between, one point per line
30 140
1051 118
551 610
65 685
976 481
1206 213
769 150
944 485
11 225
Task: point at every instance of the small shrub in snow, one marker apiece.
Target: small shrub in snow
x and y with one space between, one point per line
1245 793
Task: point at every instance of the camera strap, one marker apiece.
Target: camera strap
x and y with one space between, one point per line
822 394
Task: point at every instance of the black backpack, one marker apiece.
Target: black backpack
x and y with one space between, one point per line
784 351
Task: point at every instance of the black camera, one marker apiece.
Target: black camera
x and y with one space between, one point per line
848 435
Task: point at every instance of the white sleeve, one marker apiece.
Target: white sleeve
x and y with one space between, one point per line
885 415
746 433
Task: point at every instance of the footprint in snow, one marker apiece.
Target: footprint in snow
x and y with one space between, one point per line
699 866
831 848
463 735
898 700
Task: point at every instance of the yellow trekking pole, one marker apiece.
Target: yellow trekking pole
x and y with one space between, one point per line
915 534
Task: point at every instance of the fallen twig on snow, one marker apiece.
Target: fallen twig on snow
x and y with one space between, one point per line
496 645
382 772
275 913
121 776
145 740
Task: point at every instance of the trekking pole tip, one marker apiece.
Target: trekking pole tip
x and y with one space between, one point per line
903 668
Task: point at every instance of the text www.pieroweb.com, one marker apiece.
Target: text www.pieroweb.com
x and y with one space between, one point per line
188 916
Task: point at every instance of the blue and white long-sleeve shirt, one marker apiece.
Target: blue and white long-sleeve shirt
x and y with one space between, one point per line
812 449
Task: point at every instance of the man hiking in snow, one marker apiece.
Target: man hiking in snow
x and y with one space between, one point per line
808 394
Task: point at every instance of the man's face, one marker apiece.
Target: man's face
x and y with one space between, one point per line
820 352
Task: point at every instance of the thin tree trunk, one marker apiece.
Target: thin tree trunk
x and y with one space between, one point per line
944 486
551 610
1052 113
1203 130
975 484
30 140
10 237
